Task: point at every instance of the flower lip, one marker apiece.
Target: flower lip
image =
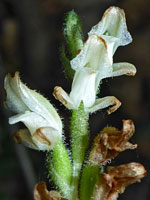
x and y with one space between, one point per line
41 137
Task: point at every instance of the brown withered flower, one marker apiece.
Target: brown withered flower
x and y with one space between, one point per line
117 178
41 193
110 142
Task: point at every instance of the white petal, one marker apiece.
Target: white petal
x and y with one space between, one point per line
63 97
13 99
112 45
32 121
113 24
23 136
36 103
83 87
94 55
104 103
123 68
46 138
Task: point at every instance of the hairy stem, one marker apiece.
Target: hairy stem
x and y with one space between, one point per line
79 141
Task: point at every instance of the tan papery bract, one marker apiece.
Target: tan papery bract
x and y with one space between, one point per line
117 178
41 193
110 142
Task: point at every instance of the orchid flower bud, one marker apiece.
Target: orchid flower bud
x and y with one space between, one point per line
44 126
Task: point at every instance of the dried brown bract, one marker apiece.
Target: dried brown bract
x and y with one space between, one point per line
110 142
41 193
110 185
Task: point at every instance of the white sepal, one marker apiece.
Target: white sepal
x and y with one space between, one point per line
31 120
113 24
123 68
105 102
63 97
12 91
40 105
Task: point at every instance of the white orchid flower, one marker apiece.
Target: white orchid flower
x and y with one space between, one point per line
95 62
39 116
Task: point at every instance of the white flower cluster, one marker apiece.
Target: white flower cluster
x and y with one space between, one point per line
95 62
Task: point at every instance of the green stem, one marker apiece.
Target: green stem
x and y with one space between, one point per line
79 141
59 169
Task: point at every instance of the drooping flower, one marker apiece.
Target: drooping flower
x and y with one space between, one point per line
117 178
110 142
95 62
44 126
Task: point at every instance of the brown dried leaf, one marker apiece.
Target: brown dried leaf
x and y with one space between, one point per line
110 142
41 193
110 185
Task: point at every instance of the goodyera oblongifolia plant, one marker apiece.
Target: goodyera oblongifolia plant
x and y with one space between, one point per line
82 174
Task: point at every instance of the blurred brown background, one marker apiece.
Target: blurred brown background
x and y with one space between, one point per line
30 39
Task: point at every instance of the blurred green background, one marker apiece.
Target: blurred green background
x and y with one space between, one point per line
30 40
